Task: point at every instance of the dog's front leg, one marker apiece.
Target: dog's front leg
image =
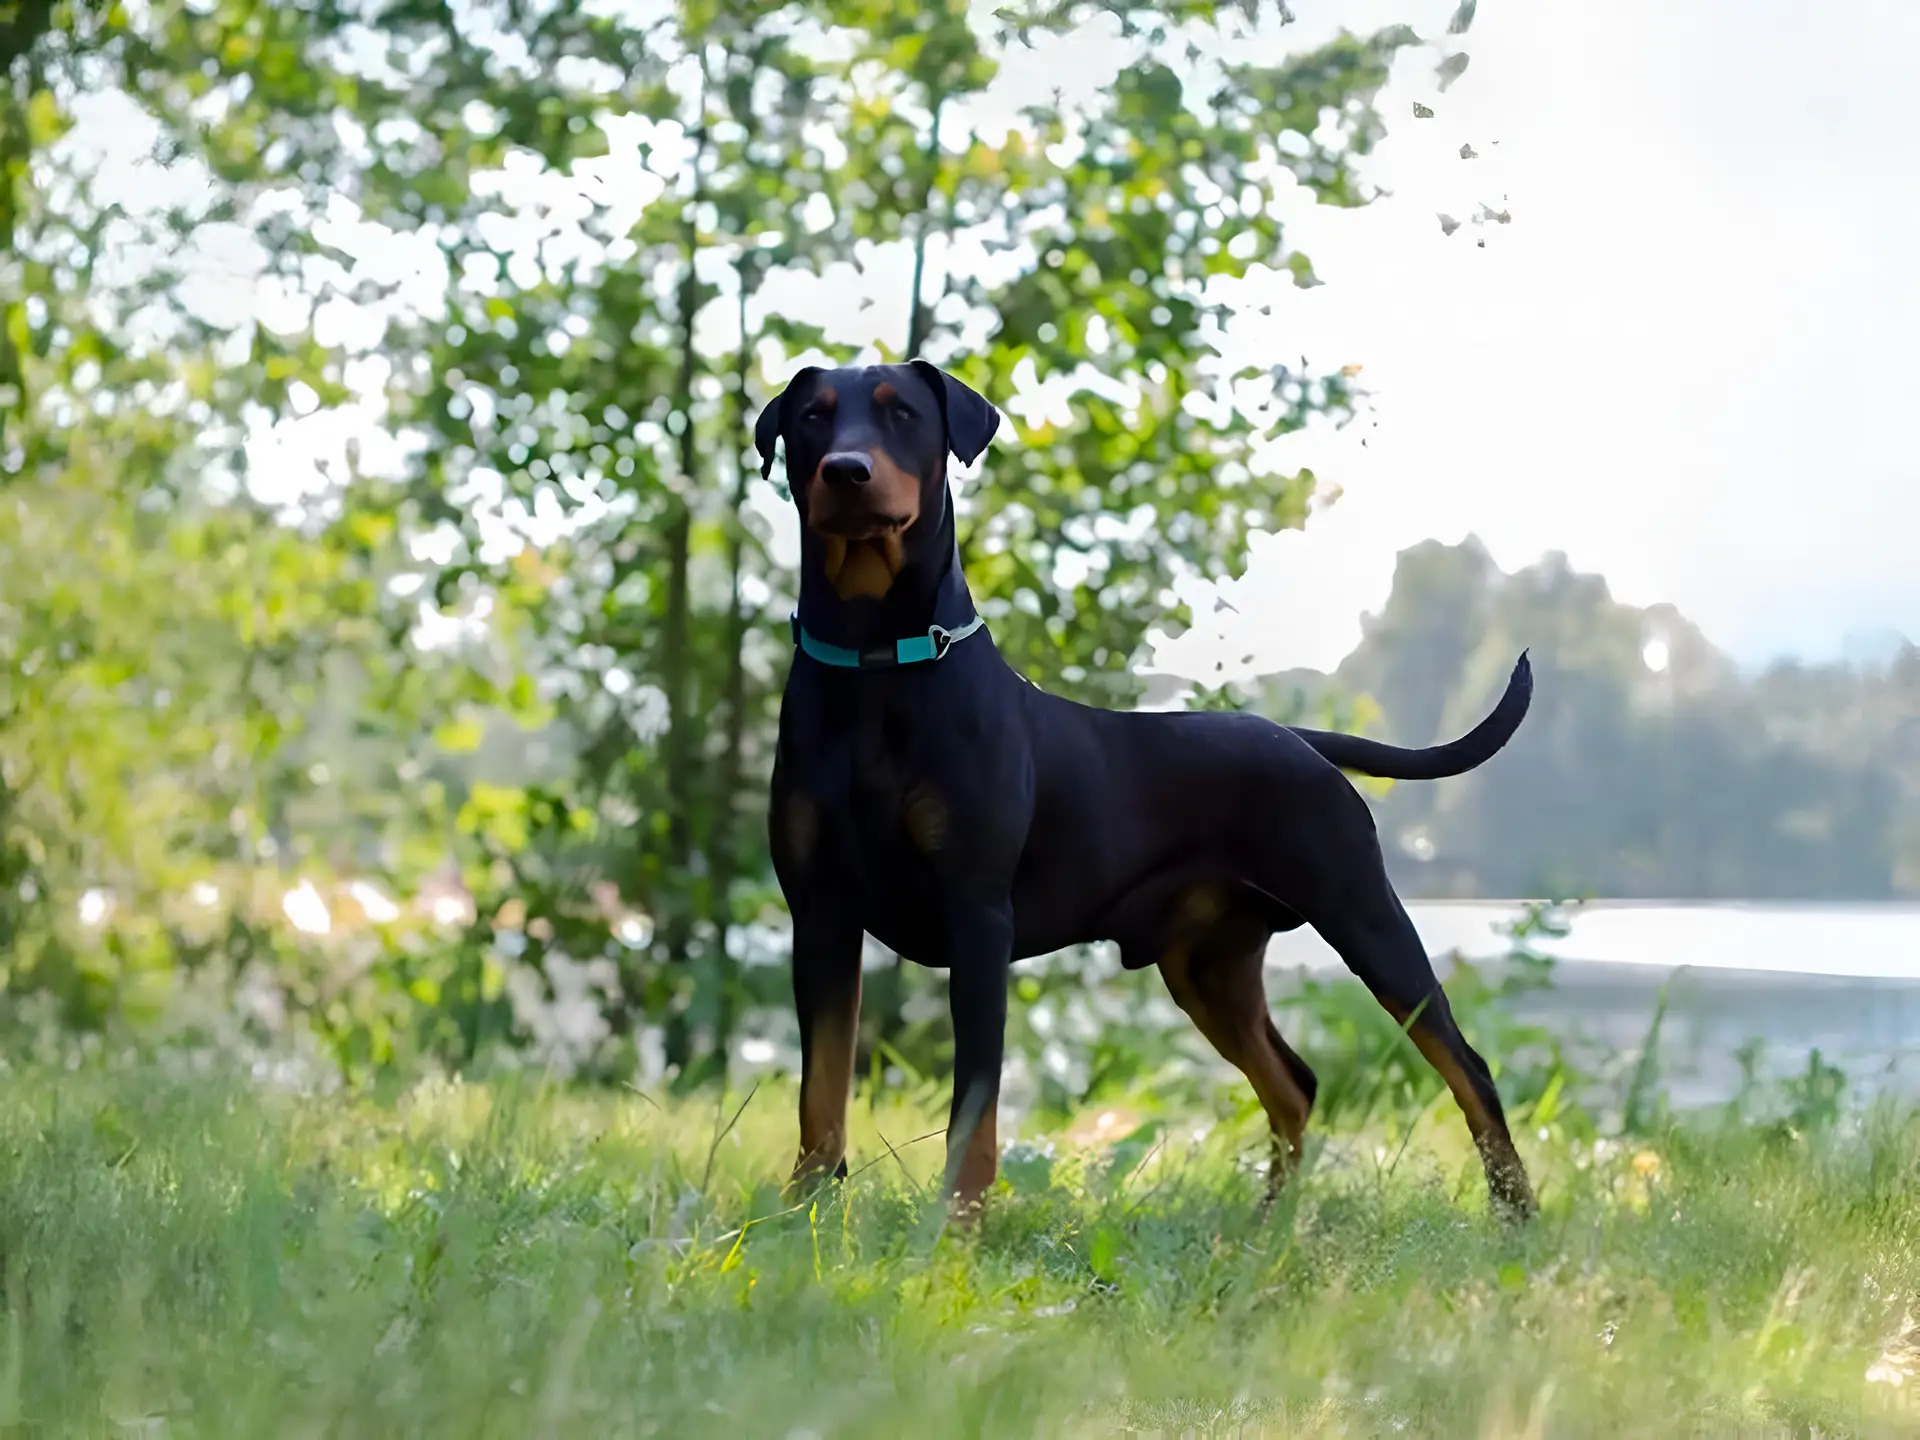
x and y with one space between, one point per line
981 940
826 1002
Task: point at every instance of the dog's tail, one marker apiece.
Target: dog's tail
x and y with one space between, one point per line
1476 747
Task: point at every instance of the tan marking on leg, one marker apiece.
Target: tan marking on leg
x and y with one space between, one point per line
1295 1101
1223 995
824 1092
925 816
801 822
1284 1101
1450 1070
1507 1178
1202 905
1507 1182
979 1164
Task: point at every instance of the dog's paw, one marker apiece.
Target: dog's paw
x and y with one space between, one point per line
809 1174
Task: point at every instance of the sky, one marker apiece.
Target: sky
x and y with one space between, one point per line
1686 363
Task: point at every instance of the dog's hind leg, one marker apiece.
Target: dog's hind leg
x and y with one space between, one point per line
1375 937
1216 979
1334 875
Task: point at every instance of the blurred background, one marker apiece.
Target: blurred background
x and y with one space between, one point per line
393 617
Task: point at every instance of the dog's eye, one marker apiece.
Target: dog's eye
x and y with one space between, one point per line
902 410
813 415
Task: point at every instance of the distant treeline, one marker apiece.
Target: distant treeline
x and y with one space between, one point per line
1650 765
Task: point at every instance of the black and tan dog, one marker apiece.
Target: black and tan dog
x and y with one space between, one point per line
926 794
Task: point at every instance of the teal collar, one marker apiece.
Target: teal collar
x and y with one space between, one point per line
911 651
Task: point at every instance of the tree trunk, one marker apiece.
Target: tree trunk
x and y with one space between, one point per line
676 927
726 800
920 316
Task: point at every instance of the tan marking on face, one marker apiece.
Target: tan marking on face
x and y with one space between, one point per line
862 526
926 817
834 556
884 393
895 491
867 568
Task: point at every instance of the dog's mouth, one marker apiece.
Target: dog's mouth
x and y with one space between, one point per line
863 567
852 523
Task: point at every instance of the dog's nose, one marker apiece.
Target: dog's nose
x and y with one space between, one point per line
846 468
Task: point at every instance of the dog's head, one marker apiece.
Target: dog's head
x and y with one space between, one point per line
867 463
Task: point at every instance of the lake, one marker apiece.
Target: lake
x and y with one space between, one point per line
1842 979
1837 978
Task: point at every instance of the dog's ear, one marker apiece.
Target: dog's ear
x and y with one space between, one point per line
773 419
971 421
766 431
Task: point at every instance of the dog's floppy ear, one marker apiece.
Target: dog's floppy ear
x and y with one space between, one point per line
971 421
773 419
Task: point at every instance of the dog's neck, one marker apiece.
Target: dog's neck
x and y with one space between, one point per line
928 591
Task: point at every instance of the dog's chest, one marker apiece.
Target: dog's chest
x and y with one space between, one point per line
884 769
898 812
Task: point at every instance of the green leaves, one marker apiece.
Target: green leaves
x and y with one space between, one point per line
1079 530
44 122
544 648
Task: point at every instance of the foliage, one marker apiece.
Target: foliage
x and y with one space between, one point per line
143 675
524 629
512 652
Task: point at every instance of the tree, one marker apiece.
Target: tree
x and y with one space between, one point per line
163 635
1144 242
1648 766
598 209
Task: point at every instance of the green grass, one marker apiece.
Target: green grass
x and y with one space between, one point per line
193 1258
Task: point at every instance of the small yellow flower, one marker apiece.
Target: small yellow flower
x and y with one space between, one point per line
1646 1164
